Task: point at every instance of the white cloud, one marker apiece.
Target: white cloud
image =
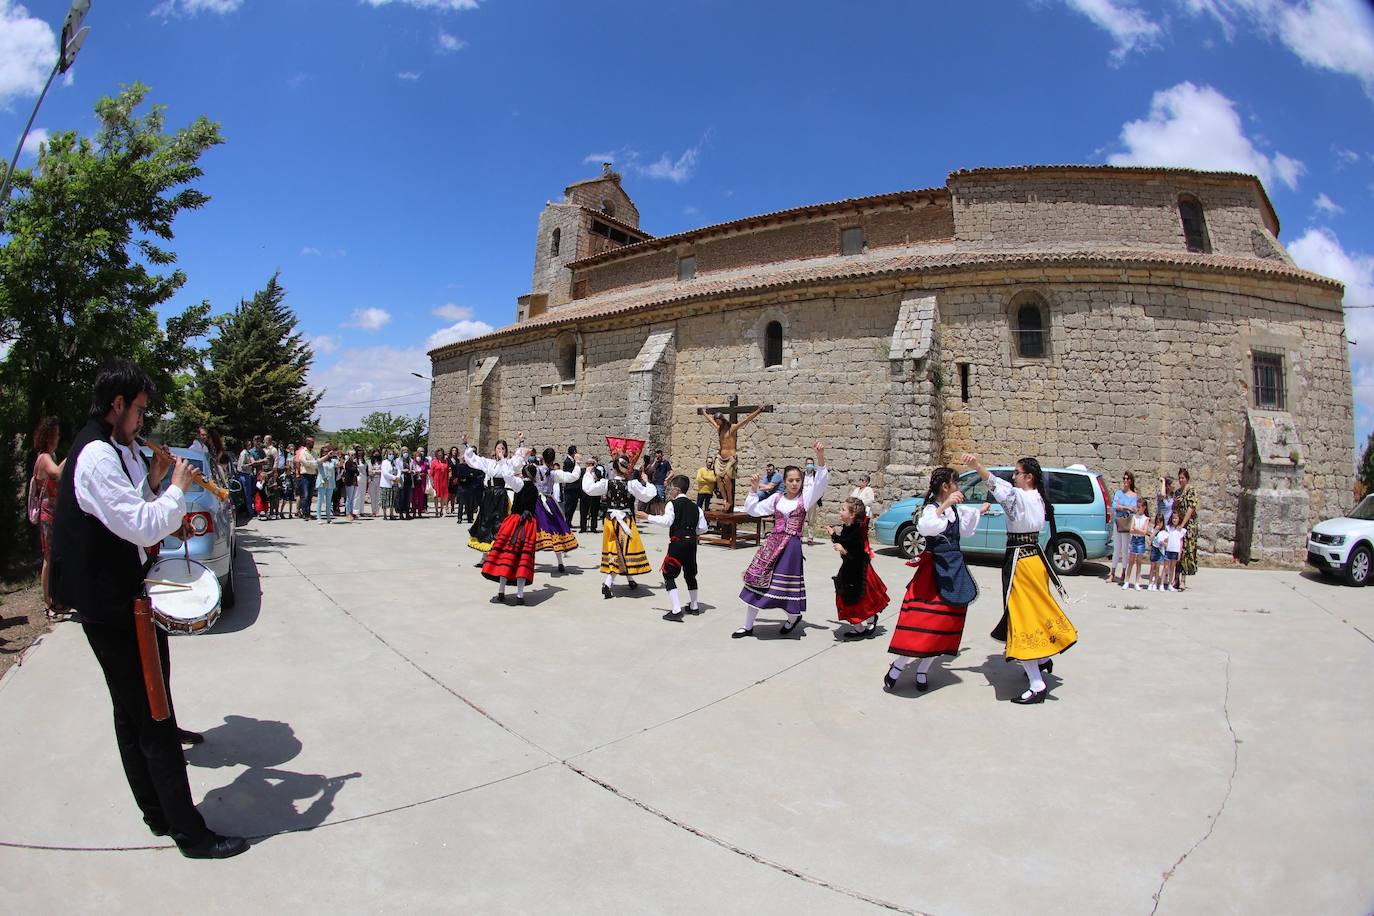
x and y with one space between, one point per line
368 319
1345 156
1327 205
689 210
676 170
379 376
1321 251
1129 27
1335 35
452 312
449 42
461 330
1197 127
445 5
36 138
194 7
410 75
28 49
310 250
325 344
297 80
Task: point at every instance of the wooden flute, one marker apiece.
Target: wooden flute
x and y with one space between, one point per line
219 492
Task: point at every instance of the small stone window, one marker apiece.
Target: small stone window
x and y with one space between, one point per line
555 243
852 240
608 208
687 267
1194 224
772 344
963 382
567 357
579 290
1031 331
1268 374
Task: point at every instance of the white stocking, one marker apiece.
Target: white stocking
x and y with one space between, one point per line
610 579
677 602
692 594
926 663
1037 681
502 585
519 588
751 614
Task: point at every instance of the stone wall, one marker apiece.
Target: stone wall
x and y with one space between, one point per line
1149 375
1078 210
551 274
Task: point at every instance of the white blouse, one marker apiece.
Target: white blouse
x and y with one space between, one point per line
666 519
112 485
933 522
813 488
1025 509
641 491
505 468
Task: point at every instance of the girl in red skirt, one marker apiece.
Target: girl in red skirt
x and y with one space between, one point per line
512 550
931 622
860 595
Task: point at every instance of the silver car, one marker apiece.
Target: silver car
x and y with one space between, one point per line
212 521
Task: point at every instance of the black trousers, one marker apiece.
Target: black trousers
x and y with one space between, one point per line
682 557
151 752
591 512
572 497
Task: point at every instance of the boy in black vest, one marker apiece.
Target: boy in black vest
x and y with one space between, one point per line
685 522
107 514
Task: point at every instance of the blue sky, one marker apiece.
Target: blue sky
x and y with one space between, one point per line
391 157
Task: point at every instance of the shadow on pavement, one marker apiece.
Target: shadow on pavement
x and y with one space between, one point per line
1007 679
263 799
248 596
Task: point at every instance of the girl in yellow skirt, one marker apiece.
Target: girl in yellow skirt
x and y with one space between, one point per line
1033 625
622 550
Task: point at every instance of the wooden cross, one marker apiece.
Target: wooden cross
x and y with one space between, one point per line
733 410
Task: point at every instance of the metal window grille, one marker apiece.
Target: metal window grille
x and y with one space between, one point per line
1268 387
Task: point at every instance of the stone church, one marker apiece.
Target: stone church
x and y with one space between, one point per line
1136 319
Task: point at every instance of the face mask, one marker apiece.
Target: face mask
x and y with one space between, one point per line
810 466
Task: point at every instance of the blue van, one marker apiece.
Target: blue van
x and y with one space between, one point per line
1082 516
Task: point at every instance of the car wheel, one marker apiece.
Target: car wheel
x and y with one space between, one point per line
909 541
1358 567
1067 555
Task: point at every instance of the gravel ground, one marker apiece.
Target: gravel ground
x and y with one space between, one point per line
22 620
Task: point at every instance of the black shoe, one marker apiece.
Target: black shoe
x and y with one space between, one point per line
890 679
922 684
605 590
674 616
520 600
190 737
157 827
694 611
498 599
633 585
1037 696
561 569
214 846
742 632
789 626
1047 666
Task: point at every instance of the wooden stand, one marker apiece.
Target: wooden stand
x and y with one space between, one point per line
726 525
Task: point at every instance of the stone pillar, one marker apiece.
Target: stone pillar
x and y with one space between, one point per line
649 395
1274 514
484 405
915 442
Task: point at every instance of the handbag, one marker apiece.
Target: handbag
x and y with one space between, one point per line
35 499
429 486
1123 522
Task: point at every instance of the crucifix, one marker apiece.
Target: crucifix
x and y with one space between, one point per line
727 423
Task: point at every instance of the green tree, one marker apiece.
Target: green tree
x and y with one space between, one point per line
1365 473
382 428
86 266
255 379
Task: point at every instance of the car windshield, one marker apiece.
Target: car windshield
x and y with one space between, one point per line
1364 511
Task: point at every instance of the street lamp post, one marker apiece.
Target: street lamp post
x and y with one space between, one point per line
73 37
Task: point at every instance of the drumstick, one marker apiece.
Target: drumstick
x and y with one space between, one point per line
167 583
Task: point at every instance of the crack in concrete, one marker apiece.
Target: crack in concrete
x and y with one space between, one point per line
1330 612
1230 784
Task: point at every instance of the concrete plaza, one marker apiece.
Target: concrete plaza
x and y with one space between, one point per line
399 743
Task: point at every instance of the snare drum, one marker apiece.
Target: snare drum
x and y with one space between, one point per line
184 610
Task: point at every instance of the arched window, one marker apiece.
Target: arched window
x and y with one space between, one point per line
1032 331
556 242
772 344
1194 223
567 357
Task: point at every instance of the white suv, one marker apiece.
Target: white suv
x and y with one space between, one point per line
1345 545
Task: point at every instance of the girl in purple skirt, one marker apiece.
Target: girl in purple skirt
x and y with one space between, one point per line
554 533
775 577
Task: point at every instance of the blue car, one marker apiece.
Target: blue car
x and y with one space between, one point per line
212 524
1082 516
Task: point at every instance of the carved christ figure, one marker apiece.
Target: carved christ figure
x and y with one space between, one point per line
729 444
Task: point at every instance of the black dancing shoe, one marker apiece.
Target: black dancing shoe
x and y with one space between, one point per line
1047 666
520 600
695 611
742 632
789 626
606 591
922 683
1036 696
498 599
674 616
890 679
633 585
561 569
214 846
158 828
188 737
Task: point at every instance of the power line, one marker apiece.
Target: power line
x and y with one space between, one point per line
390 397
370 406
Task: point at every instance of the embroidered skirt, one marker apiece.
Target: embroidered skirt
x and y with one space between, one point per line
787 591
495 507
622 551
1033 624
554 533
512 552
928 625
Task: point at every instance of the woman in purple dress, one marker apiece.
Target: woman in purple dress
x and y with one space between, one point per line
775 577
419 499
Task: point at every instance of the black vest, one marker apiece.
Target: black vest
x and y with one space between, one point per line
93 570
524 501
685 517
618 495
